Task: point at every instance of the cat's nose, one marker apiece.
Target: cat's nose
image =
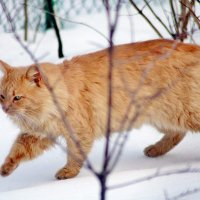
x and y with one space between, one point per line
5 108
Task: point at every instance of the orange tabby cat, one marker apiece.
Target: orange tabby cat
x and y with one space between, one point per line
155 82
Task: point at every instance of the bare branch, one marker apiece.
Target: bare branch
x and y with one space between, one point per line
112 27
197 20
146 18
185 194
156 174
158 18
174 16
146 100
25 21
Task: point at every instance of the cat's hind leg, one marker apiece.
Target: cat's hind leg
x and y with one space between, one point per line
167 142
26 147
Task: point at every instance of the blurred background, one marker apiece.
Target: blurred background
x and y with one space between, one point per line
174 19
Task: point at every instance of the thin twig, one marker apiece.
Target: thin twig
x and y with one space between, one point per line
185 194
166 16
147 100
174 16
112 28
197 20
146 18
156 174
158 18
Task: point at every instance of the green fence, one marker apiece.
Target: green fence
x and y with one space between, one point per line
37 16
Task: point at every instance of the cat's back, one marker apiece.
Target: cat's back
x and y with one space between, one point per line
159 57
165 56
150 48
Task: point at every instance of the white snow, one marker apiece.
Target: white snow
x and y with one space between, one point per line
35 179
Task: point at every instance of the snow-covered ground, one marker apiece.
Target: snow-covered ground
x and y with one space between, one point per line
35 179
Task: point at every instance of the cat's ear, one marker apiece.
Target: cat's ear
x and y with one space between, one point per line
4 67
33 75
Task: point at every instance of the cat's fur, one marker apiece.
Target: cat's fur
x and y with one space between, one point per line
159 78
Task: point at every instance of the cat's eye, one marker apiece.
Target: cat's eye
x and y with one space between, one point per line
17 98
2 97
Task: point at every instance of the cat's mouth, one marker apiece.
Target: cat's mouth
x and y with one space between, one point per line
9 111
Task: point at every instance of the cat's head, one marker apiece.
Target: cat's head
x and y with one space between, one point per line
22 92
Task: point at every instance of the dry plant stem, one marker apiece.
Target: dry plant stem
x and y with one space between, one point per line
196 19
112 27
166 16
154 175
70 21
183 13
114 149
119 151
185 18
63 117
182 19
131 22
158 18
133 101
16 13
174 16
25 21
37 29
39 43
122 144
132 121
183 194
146 18
145 103
103 176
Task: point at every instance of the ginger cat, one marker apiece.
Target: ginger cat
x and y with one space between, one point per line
155 82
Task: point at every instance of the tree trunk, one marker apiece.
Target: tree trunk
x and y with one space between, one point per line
53 23
25 20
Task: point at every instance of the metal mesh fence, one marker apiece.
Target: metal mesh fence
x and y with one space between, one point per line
37 15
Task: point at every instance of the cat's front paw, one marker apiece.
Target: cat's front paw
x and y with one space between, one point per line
66 173
152 151
7 168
